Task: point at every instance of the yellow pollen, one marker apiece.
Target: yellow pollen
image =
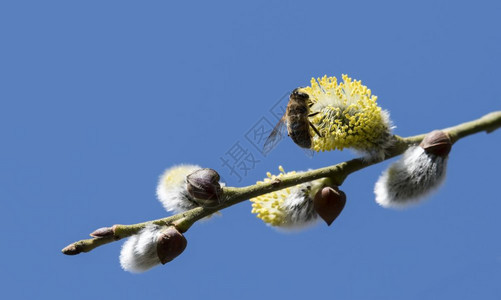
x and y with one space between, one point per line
347 115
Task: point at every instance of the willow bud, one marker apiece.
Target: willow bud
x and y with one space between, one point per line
102 232
203 185
328 203
437 142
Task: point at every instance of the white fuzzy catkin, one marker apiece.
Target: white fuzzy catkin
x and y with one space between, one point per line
172 190
139 252
411 178
298 209
380 146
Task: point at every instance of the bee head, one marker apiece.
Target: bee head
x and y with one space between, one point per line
298 94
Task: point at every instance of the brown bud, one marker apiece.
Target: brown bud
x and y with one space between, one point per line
328 203
437 142
203 185
170 244
71 250
102 232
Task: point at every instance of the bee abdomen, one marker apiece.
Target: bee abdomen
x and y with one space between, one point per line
300 134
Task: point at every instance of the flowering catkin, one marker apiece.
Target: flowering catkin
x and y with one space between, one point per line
346 115
289 208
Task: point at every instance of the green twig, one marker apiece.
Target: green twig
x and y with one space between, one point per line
232 195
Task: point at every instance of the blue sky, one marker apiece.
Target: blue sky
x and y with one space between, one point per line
98 98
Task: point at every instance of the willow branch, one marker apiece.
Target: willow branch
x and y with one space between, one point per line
232 195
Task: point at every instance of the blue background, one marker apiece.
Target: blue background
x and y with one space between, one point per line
99 97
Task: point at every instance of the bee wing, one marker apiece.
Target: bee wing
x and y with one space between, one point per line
275 137
308 152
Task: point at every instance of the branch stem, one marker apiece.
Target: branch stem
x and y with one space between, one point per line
232 195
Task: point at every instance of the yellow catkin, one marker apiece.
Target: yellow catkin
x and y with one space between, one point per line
269 207
348 115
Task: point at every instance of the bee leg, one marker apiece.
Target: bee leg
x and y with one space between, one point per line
315 129
310 104
313 114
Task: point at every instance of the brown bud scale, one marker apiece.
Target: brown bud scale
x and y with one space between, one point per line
71 250
170 244
328 203
102 232
437 142
203 185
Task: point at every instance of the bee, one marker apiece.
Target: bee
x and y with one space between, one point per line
296 121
